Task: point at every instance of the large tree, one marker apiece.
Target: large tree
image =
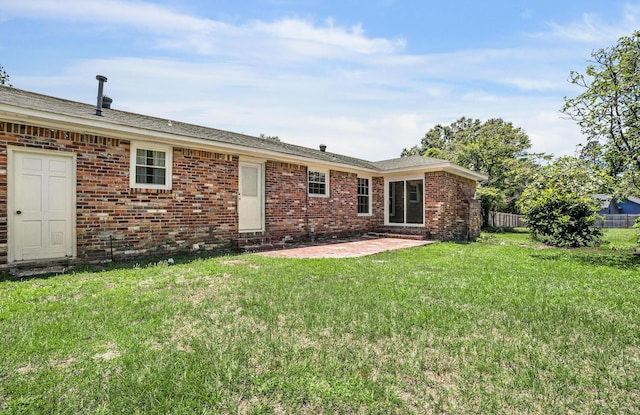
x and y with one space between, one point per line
494 147
608 111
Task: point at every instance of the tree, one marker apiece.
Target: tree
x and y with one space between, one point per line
4 77
269 137
608 111
495 147
558 205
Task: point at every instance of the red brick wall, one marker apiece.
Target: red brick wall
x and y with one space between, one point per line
285 201
451 212
200 210
291 214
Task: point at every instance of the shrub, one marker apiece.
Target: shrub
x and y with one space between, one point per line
558 206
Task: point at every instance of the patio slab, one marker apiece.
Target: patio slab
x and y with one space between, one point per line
346 249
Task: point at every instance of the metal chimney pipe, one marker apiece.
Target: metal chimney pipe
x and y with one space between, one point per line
101 80
106 102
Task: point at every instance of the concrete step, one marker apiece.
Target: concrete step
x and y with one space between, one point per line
413 237
23 269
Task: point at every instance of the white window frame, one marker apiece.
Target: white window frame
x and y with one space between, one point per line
389 210
417 194
168 150
326 182
369 195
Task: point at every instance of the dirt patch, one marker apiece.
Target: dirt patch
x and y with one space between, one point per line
240 262
111 352
26 369
64 362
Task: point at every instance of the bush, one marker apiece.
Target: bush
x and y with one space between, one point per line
558 206
565 220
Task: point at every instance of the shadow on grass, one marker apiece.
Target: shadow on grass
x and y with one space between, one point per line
623 261
143 262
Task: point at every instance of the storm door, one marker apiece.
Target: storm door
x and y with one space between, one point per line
250 198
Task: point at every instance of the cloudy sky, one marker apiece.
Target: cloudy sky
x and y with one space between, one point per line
366 78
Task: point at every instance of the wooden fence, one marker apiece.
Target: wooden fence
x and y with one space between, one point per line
510 220
617 221
506 220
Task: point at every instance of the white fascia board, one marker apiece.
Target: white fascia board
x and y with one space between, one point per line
447 167
469 174
114 130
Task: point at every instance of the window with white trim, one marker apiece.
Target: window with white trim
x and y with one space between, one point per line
151 166
413 191
318 183
364 196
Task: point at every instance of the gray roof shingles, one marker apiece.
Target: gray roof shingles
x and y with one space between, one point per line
39 102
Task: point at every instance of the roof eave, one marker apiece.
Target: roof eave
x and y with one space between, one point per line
447 167
115 130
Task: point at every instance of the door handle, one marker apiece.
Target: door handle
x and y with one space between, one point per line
18 212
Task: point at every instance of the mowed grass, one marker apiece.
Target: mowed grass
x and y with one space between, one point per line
498 326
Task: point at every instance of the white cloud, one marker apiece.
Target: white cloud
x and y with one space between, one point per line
175 30
592 29
143 15
352 39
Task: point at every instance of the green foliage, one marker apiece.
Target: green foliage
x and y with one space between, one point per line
607 111
637 226
269 137
4 77
495 147
558 205
491 199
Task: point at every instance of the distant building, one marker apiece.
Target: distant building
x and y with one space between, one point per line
611 206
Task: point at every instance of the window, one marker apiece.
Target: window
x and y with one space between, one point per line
364 199
318 183
151 166
413 191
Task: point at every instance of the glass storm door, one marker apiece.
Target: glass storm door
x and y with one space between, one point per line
250 198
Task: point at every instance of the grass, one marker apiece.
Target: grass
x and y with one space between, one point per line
498 326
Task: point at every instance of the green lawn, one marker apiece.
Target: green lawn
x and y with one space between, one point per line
498 326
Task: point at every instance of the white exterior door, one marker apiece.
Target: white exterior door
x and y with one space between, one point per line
42 199
251 198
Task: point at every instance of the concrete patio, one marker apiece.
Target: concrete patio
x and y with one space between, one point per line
346 249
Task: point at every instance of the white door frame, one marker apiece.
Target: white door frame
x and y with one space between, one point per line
404 179
261 190
11 207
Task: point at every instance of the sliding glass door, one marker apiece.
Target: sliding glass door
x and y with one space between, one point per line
405 202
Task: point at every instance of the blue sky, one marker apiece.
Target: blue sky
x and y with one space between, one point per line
365 78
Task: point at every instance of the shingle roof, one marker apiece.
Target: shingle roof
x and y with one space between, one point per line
407 162
58 106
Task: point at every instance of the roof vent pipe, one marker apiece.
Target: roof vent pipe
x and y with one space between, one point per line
323 148
101 80
106 102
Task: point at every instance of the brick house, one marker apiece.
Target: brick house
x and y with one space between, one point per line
83 186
